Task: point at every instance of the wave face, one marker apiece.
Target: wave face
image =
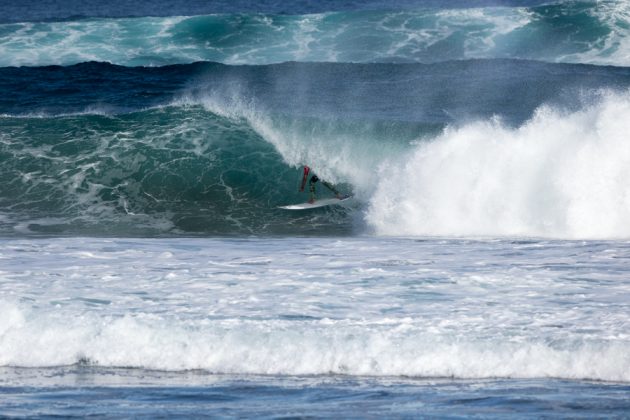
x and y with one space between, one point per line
140 173
574 32
214 149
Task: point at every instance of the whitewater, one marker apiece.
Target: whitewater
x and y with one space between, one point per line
342 317
297 314
480 269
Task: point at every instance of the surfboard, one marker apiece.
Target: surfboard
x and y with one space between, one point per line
317 203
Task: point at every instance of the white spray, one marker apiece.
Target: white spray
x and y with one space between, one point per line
558 175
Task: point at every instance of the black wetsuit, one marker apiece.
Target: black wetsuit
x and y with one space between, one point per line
311 187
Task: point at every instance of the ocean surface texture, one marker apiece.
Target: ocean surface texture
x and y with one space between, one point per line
481 268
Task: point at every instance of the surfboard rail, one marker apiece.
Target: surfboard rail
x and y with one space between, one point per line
318 203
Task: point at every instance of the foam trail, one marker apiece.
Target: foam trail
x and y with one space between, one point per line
559 175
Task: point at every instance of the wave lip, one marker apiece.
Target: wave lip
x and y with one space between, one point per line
574 32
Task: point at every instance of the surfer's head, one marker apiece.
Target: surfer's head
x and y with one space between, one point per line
314 179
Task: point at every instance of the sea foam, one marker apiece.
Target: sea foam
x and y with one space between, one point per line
311 306
295 348
561 174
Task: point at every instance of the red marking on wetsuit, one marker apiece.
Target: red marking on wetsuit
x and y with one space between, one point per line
304 177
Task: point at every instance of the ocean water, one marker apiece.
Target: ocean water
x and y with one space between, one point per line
480 269
315 326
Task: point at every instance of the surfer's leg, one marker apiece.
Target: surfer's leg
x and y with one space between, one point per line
332 188
311 190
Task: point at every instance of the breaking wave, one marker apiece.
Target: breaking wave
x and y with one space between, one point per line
215 149
311 347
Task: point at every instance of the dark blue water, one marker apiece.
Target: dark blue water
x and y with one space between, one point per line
84 391
448 92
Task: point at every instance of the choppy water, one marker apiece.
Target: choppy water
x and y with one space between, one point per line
481 268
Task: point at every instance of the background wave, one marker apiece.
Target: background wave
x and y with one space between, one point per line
38 11
574 32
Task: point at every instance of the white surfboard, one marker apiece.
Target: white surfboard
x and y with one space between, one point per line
316 204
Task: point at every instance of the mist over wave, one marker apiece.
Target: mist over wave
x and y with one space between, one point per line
573 32
440 93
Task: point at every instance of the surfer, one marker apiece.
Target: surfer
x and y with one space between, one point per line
311 185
